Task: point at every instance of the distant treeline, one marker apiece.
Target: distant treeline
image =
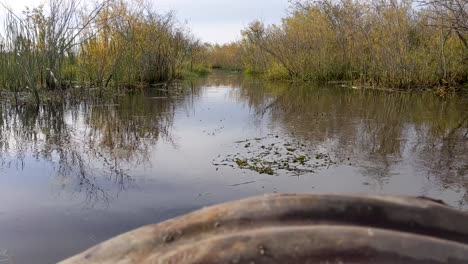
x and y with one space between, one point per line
113 43
387 43
125 43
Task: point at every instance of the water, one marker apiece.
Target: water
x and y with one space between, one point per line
74 174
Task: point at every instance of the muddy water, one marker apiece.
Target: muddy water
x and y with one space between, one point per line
78 172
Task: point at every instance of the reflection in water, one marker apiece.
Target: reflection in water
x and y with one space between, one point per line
86 140
148 155
378 130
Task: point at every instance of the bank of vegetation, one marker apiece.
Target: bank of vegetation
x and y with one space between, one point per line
127 43
381 43
114 43
226 57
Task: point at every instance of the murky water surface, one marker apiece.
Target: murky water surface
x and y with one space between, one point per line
74 174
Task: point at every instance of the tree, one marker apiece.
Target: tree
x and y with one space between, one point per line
454 14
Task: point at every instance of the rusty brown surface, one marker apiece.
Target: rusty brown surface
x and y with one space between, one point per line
298 228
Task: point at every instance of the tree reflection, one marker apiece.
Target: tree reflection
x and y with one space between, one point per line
91 142
375 129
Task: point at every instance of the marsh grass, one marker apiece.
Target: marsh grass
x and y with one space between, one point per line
385 44
115 43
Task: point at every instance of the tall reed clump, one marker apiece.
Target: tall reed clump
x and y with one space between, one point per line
20 61
37 44
387 43
113 43
135 46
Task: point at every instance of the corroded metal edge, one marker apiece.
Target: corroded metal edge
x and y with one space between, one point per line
298 228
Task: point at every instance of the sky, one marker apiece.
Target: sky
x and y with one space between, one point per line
214 21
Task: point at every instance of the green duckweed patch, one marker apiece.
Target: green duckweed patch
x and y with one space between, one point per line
273 155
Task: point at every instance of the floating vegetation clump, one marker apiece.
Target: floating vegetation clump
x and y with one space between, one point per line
272 155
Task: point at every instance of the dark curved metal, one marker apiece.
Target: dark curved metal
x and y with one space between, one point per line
298 228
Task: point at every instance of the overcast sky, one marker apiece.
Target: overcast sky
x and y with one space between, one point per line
215 21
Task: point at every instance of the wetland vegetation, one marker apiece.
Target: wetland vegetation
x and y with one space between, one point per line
67 44
387 44
402 44
114 115
93 167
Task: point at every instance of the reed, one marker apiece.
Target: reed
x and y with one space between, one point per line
113 44
391 44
